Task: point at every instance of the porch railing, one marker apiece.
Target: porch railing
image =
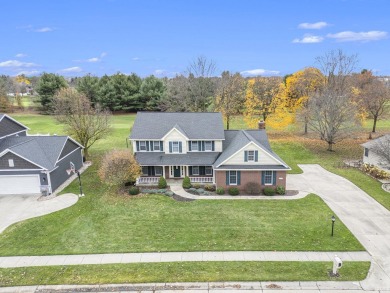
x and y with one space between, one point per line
201 179
147 180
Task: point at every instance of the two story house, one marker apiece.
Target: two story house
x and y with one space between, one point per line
34 164
175 145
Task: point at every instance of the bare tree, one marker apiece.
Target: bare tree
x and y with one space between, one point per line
332 113
230 95
201 85
85 123
372 94
382 148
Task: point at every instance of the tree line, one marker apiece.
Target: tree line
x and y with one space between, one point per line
330 99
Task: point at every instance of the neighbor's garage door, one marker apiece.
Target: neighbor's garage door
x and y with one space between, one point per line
22 184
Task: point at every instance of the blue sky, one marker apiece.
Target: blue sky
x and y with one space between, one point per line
158 37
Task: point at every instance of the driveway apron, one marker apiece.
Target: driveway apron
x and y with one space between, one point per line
368 220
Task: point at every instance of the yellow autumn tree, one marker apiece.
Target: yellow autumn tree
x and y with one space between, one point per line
21 83
284 113
300 87
259 99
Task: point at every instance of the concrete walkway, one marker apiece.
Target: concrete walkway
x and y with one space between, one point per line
368 220
16 208
56 260
179 190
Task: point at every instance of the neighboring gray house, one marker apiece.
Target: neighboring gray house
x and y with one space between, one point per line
34 164
369 154
175 145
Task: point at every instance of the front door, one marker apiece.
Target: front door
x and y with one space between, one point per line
176 171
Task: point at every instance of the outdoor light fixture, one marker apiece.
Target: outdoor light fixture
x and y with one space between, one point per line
333 220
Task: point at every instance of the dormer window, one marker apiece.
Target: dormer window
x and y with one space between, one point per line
175 146
11 163
251 156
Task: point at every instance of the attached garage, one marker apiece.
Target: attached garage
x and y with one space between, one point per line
20 184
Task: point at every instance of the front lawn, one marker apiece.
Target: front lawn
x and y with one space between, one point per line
181 272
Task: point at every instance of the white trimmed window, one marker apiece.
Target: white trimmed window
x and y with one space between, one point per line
208 146
158 170
142 145
268 178
175 146
11 163
145 170
194 146
195 170
209 170
156 146
232 177
251 156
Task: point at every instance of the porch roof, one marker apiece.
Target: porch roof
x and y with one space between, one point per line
189 159
252 167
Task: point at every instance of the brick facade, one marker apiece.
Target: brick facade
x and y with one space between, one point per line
249 176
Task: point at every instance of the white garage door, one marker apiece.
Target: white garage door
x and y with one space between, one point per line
22 184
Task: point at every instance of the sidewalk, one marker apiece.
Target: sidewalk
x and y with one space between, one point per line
84 259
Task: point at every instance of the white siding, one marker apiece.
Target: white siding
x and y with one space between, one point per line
374 159
218 146
175 136
134 143
264 158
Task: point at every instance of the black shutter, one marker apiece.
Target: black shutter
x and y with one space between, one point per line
137 143
147 146
180 147
202 170
161 146
213 146
199 146
190 170
202 146
170 147
189 145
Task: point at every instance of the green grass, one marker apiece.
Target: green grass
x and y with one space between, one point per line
101 223
181 272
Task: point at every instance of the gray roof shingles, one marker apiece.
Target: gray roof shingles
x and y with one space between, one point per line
155 125
374 142
41 150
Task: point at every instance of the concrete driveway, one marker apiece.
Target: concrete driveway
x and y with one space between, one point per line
368 220
16 208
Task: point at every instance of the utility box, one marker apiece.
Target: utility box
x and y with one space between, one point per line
337 264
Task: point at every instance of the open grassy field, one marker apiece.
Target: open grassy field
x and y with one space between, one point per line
181 272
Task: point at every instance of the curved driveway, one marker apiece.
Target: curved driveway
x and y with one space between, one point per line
16 208
368 220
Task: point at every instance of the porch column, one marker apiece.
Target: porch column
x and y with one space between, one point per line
163 174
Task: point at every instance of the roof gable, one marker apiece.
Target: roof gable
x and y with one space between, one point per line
68 147
18 161
9 126
155 125
178 129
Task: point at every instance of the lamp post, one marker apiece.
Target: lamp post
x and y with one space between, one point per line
333 220
81 188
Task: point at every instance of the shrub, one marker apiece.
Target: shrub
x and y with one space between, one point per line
206 193
119 167
375 171
269 191
253 188
220 191
200 190
134 190
209 187
233 191
162 183
168 193
187 182
280 190
192 189
196 185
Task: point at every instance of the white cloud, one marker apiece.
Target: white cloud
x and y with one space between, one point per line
164 73
349 36
309 39
71 69
94 59
16 63
45 29
313 26
136 59
28 73
104 54
20 55
255 72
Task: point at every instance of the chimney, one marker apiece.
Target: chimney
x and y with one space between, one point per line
261 124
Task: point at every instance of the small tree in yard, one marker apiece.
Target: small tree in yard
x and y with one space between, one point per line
162 183
119 167
85 123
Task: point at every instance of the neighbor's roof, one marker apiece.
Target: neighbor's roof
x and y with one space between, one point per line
373 142
155 125
41 150
161 159
237 139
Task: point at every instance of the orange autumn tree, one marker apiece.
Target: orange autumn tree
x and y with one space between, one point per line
300 87
259 99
